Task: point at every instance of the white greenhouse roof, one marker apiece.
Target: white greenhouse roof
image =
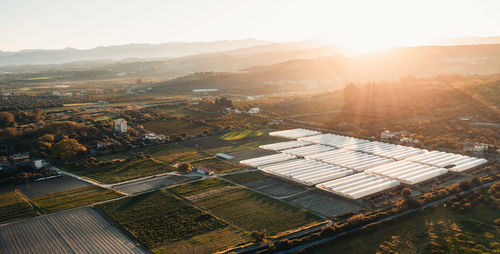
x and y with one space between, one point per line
408 172
333 140
294 133
307 172
285 145
451 161
269 159
308 150
396 152
350 159
358 185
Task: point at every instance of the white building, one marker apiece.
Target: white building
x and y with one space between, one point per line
476 147
254 110
387 134
151 136
120 125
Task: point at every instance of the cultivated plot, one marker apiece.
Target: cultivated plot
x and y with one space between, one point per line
323 203
80 230
49 186
246 209
152 183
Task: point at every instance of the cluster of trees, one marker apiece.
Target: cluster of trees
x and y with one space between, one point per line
223 102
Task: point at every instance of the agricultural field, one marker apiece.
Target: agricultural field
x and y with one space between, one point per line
246 209
73 198
177 127
62 183
14 207
171 153
217 165
80 230
126 170
434 230
209 242
271 186
153 183
247 177
241 134
159 219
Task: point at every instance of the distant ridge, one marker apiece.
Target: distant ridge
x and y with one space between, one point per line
119 52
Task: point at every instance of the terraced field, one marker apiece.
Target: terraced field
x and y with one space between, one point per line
80 230
159 219
14 207
73 198
244 208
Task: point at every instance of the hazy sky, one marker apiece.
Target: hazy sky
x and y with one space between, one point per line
55 24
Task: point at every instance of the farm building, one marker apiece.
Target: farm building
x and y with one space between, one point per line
396 152
307 172
358 185
294 133
350 159
204 171
330 162
269 159
453 162
308 150
224 156
337 141
284 145
408 172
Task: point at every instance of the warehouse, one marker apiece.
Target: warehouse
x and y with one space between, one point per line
308 150
408 172
358 185
294 133
284 145
357 161
396 152
453 162
269 159
333 140
307 172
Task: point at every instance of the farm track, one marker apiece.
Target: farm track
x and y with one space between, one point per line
80 230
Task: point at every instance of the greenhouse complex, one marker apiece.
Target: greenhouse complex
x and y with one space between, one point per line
351 167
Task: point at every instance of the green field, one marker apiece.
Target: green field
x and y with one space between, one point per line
14 207
123 171
73 198
217 165
246 209
241 134
159 219
436 230
246 177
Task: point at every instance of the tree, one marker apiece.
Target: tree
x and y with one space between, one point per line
184 168
6 119
475 181
67 148
406 193
47 138
464 185
8 133
258 237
